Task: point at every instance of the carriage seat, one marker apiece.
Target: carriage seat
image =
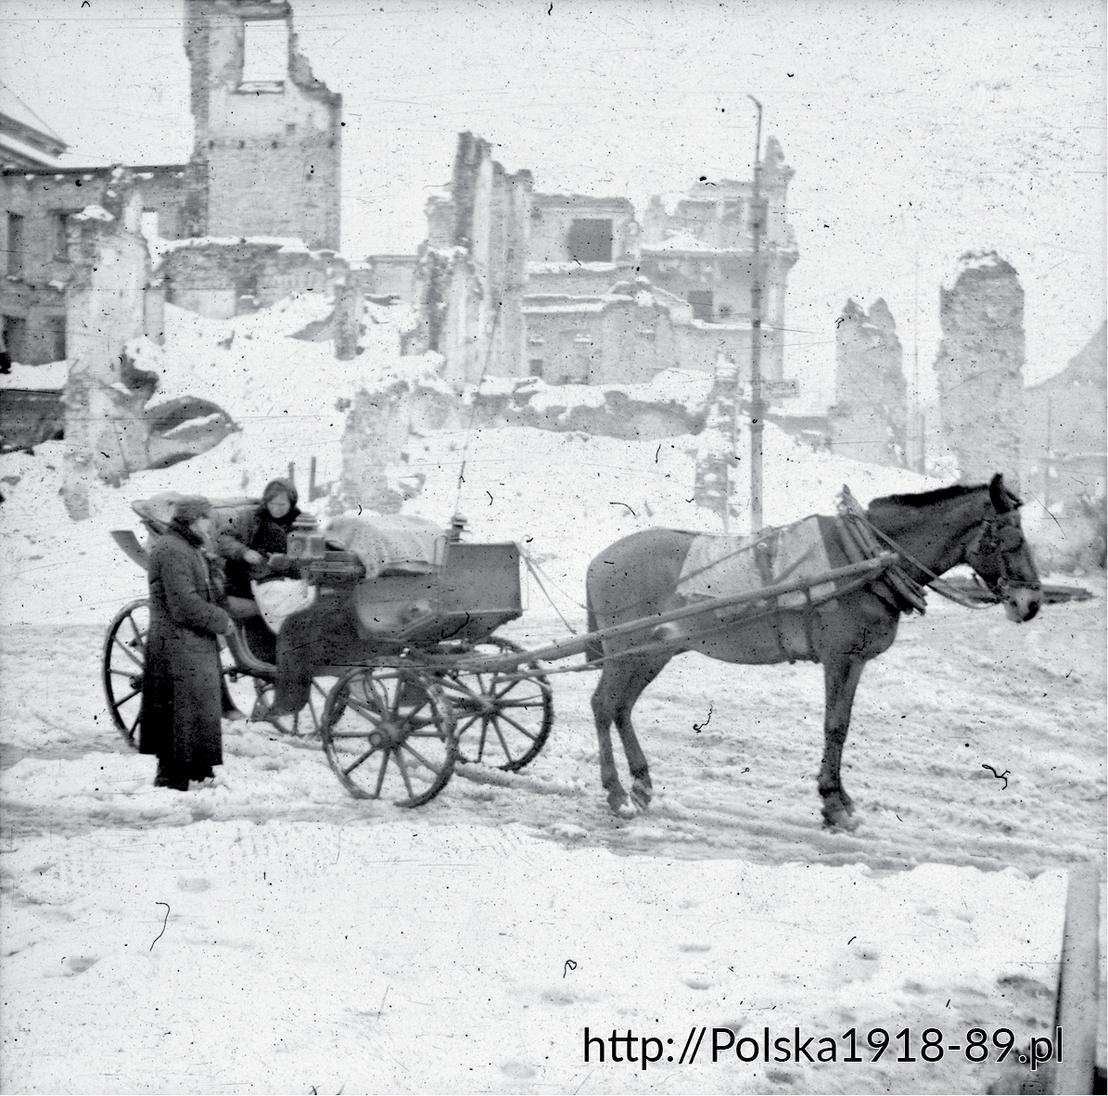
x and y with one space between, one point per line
231 515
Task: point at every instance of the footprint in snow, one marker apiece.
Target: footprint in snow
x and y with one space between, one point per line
195 886
694 947
698 981
78 964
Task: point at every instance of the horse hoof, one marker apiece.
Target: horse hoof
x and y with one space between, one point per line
840 821
641 797
625 810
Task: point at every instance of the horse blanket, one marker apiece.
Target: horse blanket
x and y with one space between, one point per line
718 566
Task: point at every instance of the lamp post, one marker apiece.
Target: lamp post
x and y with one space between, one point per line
757 406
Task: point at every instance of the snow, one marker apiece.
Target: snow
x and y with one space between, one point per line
267 933
38 378
685 242
93 213
286 244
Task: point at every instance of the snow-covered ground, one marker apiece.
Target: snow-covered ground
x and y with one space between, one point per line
268 933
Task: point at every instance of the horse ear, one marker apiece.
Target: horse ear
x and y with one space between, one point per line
998 495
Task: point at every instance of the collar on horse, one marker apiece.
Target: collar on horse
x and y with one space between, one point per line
862 540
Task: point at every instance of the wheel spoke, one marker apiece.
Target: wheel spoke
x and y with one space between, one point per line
361 760
131 730
503 742
128 652
519 727
123 699
404 772
139 637
381 774
465 723
364 709
420 758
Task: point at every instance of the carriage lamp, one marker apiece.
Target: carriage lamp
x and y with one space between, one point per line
306 542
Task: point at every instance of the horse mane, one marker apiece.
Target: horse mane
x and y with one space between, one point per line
928 498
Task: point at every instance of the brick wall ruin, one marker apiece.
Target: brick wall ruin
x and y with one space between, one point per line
269 140
266 162
104 398
556 267
979 367
224 278
868 421
472 269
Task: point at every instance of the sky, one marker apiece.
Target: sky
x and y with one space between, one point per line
917 130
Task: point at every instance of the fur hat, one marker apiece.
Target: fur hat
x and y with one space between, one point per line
191 507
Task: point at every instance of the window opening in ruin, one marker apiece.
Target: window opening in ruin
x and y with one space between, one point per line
701 301
61 228
535 367
15 245
15 332
54 337
265 51
590 241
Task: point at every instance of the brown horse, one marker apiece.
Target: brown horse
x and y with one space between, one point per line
637 578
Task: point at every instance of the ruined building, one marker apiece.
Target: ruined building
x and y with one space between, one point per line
265 162
979 368
868 420
1064 429
572 289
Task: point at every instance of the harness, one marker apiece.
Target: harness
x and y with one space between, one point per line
997 537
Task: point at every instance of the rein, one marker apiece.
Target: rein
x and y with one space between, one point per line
937 583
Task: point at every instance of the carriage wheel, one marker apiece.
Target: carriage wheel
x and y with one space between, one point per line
124 666
389 733
504 716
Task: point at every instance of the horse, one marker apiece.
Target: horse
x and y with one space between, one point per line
931 532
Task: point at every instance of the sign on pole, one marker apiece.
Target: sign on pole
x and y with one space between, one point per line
781 390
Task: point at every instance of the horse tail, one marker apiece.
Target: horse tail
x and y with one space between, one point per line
594 652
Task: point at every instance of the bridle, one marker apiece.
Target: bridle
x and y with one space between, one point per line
999 538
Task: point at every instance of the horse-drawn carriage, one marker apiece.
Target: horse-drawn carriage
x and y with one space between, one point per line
411 694
425 681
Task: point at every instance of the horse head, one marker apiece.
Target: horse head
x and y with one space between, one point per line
1000 556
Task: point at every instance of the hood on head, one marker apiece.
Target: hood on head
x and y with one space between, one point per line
278 486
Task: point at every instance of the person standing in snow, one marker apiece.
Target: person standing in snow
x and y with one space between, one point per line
181 685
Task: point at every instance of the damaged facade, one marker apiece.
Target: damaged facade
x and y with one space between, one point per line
979 367
572 289
1064 430
265 162
868 421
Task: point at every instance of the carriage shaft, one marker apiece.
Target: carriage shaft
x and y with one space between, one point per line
579 644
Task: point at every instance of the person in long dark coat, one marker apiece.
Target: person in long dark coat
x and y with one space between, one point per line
181 685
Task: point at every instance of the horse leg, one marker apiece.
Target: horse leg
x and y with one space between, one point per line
840 678
605 702
641 675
